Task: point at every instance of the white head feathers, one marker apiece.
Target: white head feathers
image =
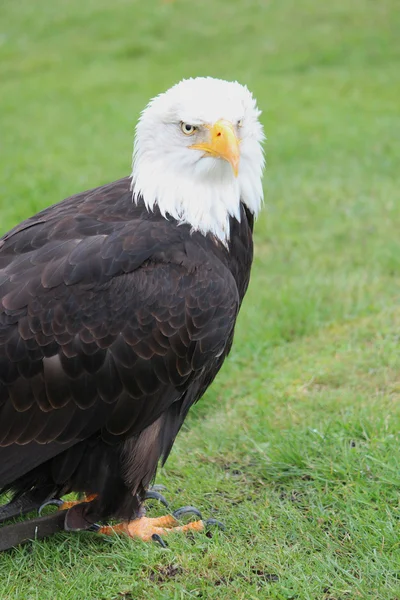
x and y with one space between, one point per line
199 186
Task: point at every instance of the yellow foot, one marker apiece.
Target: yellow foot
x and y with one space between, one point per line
147 528
70 503
65 505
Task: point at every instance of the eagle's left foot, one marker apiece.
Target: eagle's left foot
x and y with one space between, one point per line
148 528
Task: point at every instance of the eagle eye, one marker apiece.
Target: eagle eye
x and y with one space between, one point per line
188 129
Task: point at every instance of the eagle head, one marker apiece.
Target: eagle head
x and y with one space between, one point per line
198 154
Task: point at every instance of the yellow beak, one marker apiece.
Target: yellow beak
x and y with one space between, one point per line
223 143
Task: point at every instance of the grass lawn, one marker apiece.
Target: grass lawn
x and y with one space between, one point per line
296 445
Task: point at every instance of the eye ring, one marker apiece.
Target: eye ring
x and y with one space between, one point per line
188 129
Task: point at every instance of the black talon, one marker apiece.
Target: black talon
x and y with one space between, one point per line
154 495
157 538
186 510
214 522
158 487
52 502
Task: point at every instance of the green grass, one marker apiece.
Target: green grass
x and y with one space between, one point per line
296 446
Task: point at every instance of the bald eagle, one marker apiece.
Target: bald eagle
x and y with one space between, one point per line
118 307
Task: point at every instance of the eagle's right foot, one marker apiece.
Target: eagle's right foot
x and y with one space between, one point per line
65 504
151 494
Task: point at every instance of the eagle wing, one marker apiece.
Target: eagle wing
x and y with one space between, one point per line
103 328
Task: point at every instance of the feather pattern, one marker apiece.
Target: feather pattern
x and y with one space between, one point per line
113 322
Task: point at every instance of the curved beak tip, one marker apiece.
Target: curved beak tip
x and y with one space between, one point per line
235 167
